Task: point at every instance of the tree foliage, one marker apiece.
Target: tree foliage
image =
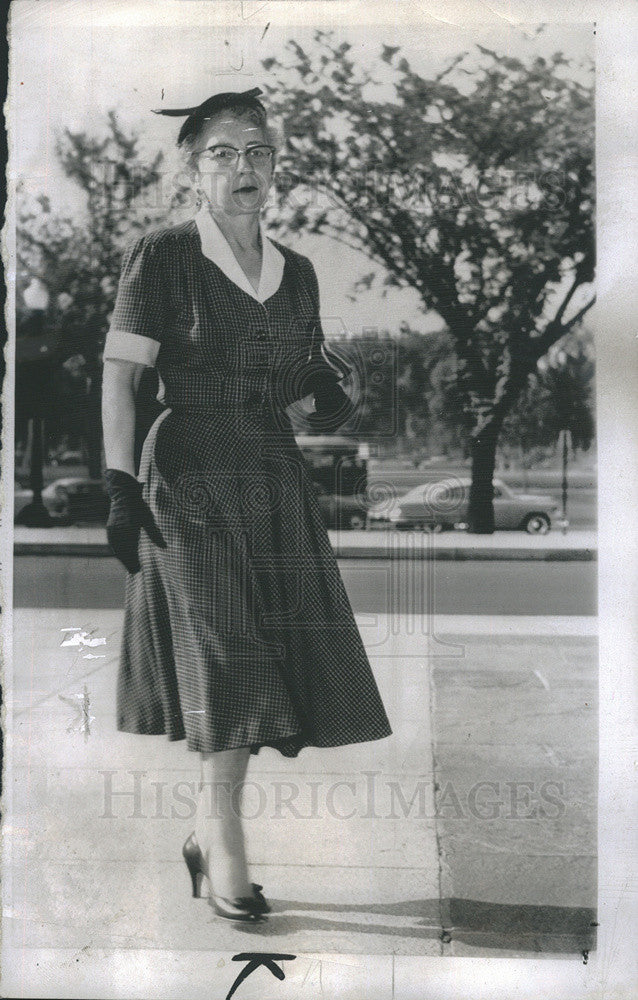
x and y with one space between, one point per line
78 259
558 396
474 187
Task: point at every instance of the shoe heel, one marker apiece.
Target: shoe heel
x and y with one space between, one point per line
261 905
195 863
197 879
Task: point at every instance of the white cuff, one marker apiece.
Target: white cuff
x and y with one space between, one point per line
131 347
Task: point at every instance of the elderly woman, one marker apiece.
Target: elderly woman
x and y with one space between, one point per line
238 632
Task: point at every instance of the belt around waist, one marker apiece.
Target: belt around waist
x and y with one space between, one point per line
224 389
205 390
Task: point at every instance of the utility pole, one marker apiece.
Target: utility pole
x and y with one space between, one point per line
564 439
35 355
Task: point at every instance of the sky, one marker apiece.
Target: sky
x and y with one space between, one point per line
71 62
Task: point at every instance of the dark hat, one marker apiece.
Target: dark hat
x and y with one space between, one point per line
211 106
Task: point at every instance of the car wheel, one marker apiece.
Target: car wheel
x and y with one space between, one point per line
537 524
356 522
62 502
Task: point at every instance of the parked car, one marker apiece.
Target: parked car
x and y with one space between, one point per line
338 469
21 497
68 457
444 504
77 498
341 511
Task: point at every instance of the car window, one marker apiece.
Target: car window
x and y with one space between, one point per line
414 495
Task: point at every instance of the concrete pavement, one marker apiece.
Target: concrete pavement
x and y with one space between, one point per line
470 831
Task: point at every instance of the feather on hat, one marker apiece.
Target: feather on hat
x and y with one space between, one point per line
212 105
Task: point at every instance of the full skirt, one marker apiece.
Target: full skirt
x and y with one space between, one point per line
239 632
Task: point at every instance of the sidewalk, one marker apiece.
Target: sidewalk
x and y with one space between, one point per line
577 544
470 831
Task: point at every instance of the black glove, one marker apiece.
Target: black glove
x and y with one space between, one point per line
127 516
333 407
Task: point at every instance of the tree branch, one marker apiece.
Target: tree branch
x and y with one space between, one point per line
579 315
570 293
540 345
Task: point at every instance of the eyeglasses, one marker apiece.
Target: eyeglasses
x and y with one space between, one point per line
228 156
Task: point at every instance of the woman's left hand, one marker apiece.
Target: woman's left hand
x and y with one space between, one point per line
333 407
128 514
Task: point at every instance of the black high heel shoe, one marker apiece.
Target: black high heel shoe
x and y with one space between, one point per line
243 908
195 863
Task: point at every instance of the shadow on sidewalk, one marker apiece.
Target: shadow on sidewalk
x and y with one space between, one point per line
545 929
559 929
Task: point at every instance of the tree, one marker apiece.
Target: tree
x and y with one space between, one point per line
474 187
428 390
570 380
558 396
79 258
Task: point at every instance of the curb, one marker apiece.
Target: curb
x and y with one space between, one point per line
448 554
345 551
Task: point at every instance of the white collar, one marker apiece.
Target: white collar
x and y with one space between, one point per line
215 246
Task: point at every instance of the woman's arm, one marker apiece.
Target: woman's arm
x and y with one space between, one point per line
140 315
120 383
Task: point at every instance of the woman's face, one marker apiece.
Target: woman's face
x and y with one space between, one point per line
234 188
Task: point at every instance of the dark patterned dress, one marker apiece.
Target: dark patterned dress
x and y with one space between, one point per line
239 632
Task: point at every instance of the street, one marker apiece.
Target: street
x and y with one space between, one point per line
493 587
